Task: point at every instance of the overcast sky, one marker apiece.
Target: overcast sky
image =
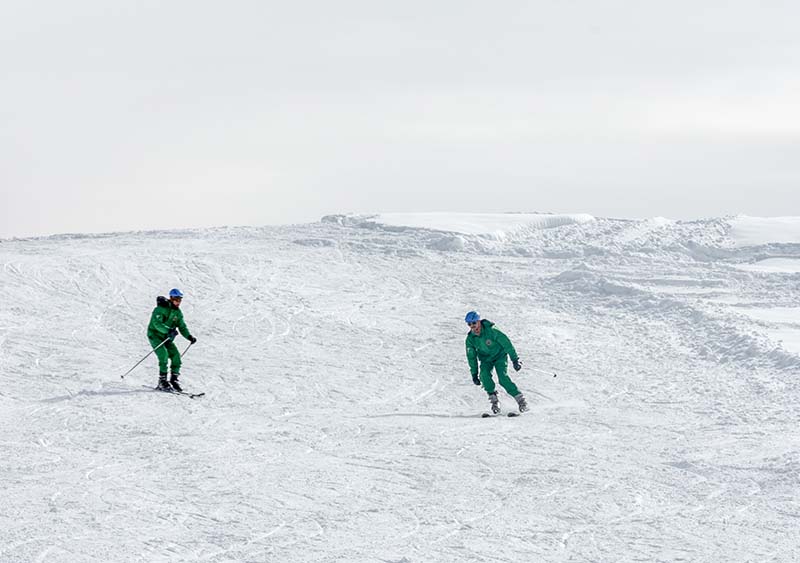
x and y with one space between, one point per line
168 114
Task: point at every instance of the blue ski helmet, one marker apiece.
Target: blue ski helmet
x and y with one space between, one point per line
471 317
175 292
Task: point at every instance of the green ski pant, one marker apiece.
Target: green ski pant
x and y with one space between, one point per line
500 365
167 352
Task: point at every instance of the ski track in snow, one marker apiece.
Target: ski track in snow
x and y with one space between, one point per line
340 422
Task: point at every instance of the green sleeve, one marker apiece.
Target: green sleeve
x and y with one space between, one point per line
506 344
472 358
156 324
182 326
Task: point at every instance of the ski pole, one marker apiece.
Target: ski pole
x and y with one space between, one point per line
143 359
187 349
554 374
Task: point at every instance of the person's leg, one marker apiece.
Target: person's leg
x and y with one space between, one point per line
163 357
175 372
174 358
488 385
486 377
501 366
161 354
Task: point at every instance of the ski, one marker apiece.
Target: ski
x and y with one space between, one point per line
490 415
173 392
190 395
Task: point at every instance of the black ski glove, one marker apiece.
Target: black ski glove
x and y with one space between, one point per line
173 332
517 364
475 379
192 339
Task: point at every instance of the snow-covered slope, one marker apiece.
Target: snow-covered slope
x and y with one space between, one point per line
340 422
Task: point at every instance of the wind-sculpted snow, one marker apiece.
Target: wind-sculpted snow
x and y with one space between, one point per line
340 422
446 231
758 231
495 225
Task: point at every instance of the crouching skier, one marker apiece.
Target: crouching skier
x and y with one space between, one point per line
165 322
487 344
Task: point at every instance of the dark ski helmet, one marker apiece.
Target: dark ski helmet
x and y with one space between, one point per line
175 292
472 317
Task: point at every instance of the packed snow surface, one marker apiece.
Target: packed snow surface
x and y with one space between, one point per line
340 422
791 265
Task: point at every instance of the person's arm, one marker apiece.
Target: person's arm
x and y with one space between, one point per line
472 358
157 323
506 344
182 327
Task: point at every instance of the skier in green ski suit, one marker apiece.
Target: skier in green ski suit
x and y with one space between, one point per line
487 344
165 322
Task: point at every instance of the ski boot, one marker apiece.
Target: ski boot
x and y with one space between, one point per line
163 384
173 380
495 403
523 404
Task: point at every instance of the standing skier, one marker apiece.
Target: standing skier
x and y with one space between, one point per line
492 348
165 322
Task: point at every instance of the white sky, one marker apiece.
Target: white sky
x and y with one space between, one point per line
139 115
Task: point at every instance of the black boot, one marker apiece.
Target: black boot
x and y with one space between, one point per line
173 380
163 384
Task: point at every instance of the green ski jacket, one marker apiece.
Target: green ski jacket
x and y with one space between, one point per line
165 317
489 346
